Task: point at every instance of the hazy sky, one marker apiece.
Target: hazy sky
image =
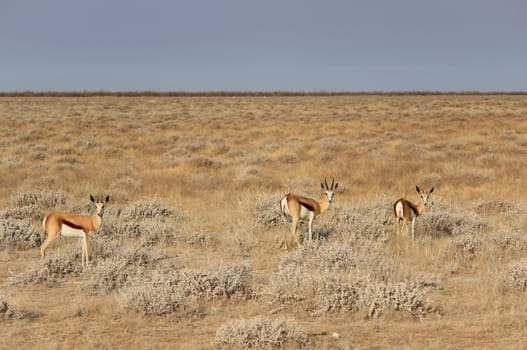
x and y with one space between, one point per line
241 45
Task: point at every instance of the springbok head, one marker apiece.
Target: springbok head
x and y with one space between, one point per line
99 206
423 194
328 190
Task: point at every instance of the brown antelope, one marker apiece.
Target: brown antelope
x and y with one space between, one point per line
73 225
405 210
299 207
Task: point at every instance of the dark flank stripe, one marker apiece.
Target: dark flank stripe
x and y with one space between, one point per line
307 206
72 225
413 207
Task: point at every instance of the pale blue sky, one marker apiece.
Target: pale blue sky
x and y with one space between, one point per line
244 45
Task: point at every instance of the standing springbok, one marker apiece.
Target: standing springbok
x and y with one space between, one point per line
299 207
73 225
405 210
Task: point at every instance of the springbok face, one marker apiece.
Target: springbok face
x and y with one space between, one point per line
423 194
328 190
99 206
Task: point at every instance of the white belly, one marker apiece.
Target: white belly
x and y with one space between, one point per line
304 213
67 231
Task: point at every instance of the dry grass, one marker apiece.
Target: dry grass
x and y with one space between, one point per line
188 254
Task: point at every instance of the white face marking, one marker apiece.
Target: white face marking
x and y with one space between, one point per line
329 195
425 195
99 208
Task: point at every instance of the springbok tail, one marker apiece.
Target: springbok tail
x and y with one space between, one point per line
44 222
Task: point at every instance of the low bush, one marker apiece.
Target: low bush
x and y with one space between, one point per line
445 219
261 333
334 294
52 270
266 212
514 276
463 248
355 253
157 297
117 270
324 278
498 207
10 312
46 199
512 241
372 219
163 293
152 230
18 234
144 209
339 295
400 296
222 282
28 213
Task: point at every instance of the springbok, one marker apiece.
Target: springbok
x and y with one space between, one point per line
299 207
405 210
73 225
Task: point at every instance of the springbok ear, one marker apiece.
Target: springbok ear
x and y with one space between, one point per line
107 198
92 199
432 190
322 186
336 185
417 189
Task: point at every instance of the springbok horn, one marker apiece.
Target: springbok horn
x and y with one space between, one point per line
332 183
327 187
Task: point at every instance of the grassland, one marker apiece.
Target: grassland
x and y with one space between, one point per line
188 255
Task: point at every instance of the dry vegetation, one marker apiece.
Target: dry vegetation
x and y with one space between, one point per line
188 254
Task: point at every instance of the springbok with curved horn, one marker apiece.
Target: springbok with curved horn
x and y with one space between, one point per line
299 207
73 225
404 211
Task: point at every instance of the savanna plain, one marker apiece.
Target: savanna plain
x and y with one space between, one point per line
189 254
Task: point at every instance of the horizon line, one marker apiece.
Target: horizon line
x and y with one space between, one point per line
183 93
